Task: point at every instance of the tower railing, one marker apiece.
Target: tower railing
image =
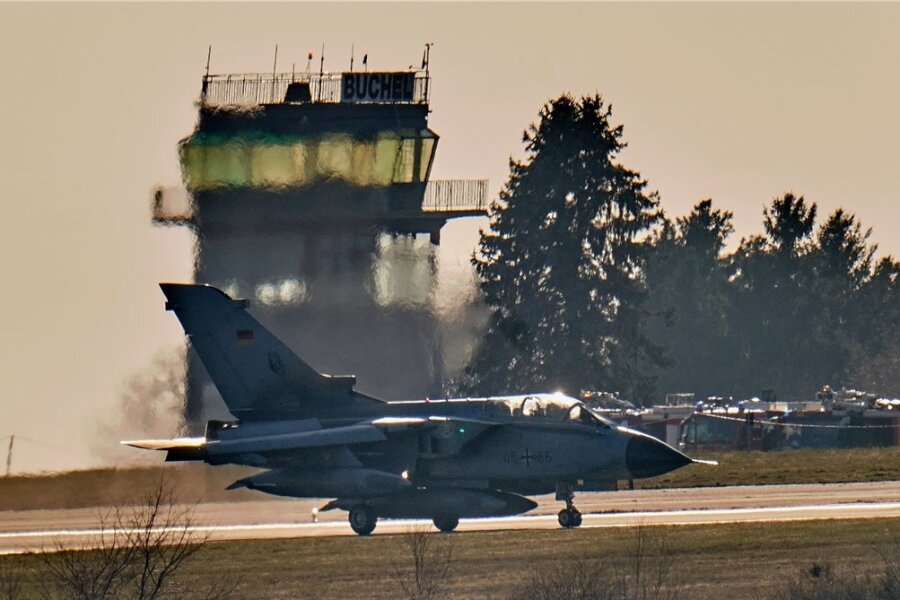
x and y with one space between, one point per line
251 89
174 205
456 195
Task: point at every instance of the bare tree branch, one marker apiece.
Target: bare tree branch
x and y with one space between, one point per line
141 547
431 555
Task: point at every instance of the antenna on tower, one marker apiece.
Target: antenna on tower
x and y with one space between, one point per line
12 440
274 71
321 73
352 48
426 64
205 84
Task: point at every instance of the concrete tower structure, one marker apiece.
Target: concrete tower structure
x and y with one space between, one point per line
309 194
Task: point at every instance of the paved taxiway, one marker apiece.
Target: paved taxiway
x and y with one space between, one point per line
32 530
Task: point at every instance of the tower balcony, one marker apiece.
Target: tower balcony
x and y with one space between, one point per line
402 208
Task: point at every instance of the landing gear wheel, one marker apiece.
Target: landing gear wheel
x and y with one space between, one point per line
446 524
362 519
569 518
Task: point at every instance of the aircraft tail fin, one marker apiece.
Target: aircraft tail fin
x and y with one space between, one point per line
257 375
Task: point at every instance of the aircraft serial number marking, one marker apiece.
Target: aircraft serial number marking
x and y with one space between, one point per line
527 457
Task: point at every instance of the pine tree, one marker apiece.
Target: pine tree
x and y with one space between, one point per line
774 309
562 265
687 276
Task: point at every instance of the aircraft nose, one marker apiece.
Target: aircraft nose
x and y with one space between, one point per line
646 456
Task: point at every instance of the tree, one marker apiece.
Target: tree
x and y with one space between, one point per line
431 556
646 569
842 264
877 366
151 404
688 280
561 266
140 550
773 309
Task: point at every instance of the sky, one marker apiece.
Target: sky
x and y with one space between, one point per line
737 102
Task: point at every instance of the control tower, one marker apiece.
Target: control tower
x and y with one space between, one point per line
309 194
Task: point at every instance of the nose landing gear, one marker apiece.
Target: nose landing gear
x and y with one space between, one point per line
569 517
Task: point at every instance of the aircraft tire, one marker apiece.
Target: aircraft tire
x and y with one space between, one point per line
362 519
446 524
569 518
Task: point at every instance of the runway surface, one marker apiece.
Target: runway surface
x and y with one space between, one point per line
22 531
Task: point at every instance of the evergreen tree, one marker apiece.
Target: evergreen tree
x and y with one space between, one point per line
842 264
877 366
773 309
561 266
687 276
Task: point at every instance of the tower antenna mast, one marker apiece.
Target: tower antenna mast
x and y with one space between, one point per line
274 71
426 64
206 75
12 440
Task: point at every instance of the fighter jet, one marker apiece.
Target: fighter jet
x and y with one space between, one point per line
315 436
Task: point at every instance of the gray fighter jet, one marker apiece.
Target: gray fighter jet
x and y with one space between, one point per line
317 437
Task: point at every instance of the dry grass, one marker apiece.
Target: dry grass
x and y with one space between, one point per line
791 466
733 561
109 487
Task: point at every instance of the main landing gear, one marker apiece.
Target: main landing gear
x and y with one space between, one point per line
362 519
446 524
569 517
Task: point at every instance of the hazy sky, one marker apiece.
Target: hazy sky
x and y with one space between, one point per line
738 102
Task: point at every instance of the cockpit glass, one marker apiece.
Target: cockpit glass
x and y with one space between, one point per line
556 407
582 414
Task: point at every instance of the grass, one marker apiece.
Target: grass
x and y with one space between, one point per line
104 487
108 487
790 466
733 561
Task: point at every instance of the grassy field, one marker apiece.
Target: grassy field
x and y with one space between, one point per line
733 561
200 482
791 466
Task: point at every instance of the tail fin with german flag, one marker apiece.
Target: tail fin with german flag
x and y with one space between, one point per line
258 376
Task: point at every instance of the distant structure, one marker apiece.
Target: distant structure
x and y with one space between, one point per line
310 195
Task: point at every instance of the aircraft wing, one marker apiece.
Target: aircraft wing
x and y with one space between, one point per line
444 436
166 444
452 432
335 436
400 423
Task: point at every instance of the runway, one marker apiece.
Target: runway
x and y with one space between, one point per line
22 531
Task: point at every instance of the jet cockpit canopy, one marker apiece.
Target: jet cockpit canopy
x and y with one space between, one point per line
554 407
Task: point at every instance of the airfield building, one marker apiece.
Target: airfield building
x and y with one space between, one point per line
310 195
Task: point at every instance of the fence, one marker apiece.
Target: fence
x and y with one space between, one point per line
258 88
456 195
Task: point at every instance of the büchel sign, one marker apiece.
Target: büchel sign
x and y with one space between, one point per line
377 87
